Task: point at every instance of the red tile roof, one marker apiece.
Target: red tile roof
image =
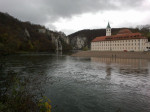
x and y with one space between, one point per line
120 36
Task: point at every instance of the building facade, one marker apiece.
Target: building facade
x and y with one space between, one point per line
125 40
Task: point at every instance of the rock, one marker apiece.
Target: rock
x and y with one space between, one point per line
58 44
58 39
27 33
64 37
78 42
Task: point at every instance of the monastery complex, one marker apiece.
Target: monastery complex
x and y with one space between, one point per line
125 40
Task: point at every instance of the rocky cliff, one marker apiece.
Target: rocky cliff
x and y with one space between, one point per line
78 42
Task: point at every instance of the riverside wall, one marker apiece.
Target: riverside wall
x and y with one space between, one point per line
113 54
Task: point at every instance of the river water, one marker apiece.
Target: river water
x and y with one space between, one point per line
93 84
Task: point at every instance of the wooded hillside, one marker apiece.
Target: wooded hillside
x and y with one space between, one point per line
17 36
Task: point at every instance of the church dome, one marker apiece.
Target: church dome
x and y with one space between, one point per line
124 31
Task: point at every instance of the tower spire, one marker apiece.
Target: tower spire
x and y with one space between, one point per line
108 30
108 26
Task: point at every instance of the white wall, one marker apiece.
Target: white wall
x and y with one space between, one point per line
120 45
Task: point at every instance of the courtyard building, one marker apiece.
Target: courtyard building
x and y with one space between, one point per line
125 40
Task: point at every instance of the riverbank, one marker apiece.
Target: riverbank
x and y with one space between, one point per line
69 52
113 54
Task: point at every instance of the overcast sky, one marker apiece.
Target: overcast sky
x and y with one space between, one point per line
73 15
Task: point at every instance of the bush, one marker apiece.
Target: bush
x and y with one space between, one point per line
85 48
15 97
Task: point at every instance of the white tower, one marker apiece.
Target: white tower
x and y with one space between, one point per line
108 30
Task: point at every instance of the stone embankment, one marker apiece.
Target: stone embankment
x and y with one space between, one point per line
113 54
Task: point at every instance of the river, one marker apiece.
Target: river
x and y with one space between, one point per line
76 84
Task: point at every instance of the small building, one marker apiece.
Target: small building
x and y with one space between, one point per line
125 40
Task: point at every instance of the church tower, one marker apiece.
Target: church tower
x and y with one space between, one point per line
108 30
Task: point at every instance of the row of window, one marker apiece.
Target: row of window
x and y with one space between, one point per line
103 42
130 44
124 48
125 37
118 48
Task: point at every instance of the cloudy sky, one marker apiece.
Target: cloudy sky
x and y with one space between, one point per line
73 15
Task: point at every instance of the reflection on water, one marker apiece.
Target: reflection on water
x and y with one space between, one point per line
136 63
108 72
126 66
88 84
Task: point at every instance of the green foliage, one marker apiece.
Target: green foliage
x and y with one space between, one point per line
2 106
30 46
66 47
16 98
85 48
148 34
13 37
45 105
1 46
36 45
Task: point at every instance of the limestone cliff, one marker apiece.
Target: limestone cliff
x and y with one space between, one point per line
78 42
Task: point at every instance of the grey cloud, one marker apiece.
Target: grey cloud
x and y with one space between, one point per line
66 8
25 10
43 11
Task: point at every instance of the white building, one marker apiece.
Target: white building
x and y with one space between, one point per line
125 40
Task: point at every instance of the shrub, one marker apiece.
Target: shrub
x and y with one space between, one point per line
85 48
15 97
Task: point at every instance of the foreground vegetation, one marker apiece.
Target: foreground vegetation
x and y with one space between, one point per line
16 96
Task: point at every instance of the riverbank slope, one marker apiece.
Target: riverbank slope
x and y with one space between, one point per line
113 54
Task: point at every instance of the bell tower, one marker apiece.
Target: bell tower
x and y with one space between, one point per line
108 30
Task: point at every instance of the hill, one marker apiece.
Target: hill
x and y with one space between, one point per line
83 38
18 36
